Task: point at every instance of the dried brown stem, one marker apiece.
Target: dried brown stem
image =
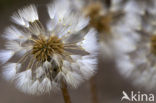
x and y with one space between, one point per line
65 93
93 90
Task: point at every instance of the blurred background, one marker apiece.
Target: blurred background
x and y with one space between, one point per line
109 83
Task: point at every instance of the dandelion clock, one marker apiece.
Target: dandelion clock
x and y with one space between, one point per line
42 59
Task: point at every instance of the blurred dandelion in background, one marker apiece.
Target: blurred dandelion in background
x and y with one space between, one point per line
109 20
139 64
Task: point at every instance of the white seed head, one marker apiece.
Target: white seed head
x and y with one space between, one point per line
65 52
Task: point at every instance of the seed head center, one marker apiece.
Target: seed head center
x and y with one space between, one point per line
99 21
43 48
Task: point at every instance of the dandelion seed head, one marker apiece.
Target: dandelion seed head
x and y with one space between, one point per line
52 55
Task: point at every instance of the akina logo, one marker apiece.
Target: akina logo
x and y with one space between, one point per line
137 97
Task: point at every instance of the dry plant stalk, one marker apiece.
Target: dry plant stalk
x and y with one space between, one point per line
93 90
65 93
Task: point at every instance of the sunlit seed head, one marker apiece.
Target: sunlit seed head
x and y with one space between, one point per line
44 48
98 20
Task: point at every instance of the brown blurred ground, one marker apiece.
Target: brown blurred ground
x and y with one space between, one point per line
109 83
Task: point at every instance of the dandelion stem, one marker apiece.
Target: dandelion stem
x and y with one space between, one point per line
93 90
65 93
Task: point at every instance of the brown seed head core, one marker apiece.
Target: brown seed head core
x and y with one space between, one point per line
153 44
44 48
97 20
